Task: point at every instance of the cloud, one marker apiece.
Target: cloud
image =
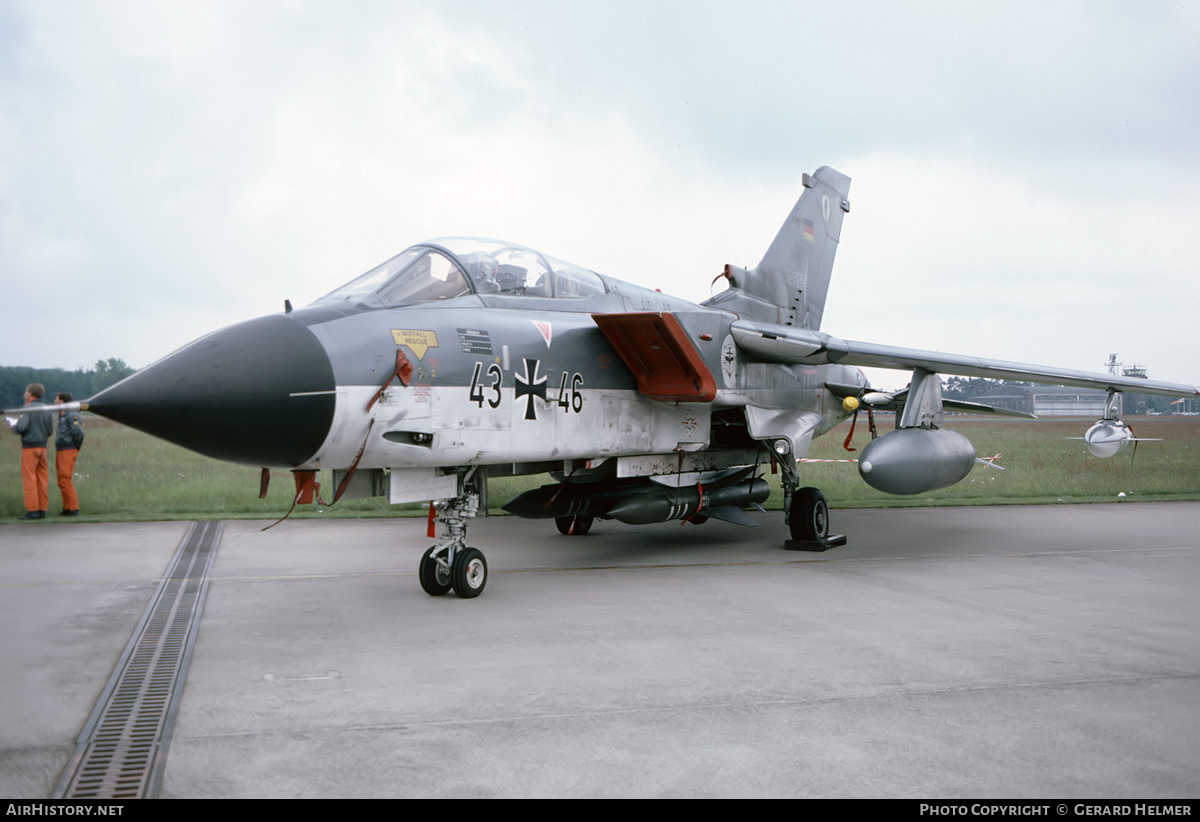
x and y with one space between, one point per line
169 168
998 263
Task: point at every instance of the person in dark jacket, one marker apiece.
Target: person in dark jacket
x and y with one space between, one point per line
34 429
68 439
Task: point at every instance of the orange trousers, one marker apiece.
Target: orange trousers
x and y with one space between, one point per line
64 469
35 478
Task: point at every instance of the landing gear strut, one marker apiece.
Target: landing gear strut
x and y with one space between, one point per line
451 563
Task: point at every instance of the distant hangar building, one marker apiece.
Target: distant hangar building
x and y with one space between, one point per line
1049 400
1062 401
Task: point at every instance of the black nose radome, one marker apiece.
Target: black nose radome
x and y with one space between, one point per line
258 393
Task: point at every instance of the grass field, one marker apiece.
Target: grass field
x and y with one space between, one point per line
126 475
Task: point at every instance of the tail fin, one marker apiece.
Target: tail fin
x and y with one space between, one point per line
793 276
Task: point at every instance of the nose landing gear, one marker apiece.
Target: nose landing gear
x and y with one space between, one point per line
451 563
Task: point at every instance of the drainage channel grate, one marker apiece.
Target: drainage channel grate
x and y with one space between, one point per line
122 749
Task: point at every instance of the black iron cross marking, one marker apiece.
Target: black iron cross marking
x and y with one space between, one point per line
529 387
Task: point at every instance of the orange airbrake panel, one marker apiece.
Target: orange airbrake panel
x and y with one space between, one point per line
657 350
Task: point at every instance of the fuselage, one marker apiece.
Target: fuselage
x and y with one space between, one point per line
489 366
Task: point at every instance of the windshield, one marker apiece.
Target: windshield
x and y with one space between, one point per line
415 275
446 268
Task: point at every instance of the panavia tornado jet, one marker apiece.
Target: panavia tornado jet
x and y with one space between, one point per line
460 360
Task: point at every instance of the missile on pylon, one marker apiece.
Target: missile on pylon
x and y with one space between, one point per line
660 504
1107 438
635 502
572 499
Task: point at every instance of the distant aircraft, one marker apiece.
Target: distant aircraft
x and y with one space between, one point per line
460 360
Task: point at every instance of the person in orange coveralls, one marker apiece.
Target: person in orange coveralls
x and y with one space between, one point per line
68 439
34 430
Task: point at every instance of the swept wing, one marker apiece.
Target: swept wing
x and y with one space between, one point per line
783 344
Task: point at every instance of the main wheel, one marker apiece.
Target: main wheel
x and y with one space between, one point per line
469 573
574 526
809 519
435 577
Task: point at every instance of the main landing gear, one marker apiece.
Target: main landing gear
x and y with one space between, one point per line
808 520
807 514
450 563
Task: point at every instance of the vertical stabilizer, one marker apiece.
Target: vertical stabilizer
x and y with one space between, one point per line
794 273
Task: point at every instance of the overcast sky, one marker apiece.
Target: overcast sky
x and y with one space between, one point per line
1026 175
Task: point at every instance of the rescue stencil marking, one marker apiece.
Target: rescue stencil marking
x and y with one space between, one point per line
418 341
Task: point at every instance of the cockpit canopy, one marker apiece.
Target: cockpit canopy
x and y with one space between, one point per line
451 267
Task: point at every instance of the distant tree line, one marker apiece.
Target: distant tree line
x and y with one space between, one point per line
972 388
80 383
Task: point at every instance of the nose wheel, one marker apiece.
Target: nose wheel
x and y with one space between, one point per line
466 573
469 573
451 564
434 573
